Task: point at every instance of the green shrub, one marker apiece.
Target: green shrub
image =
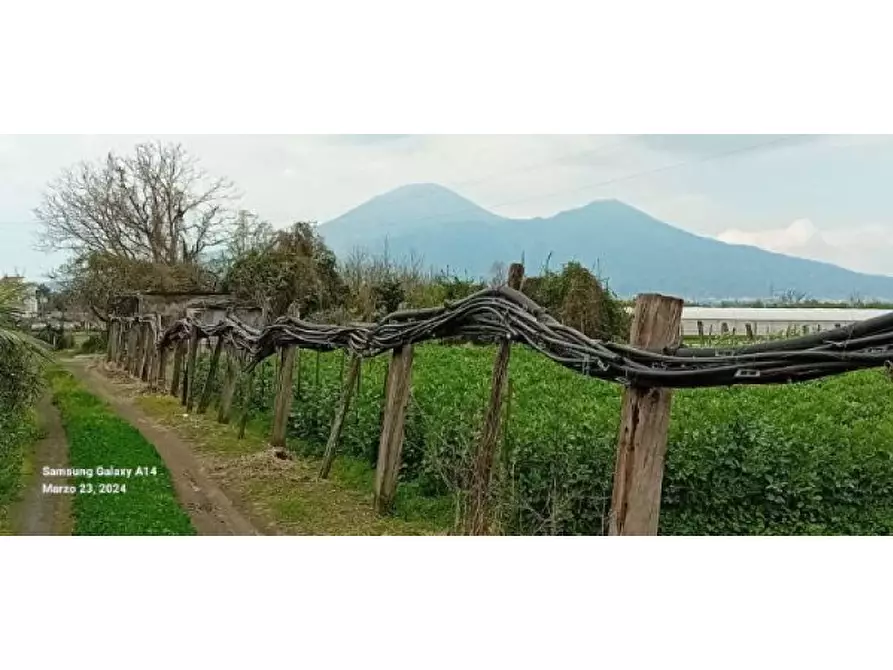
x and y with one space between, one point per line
96 343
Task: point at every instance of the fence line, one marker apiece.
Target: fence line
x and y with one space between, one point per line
654 363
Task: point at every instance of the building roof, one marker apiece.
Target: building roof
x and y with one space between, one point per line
780 314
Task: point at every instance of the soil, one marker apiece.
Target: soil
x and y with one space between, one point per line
212 510
38 513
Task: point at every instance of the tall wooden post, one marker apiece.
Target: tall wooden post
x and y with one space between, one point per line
133 346
477 521
189 388
177 373
347 391
160 373
390 446
148 351
121 345
110 341
209 381
230 371
284 393
644 424
247 399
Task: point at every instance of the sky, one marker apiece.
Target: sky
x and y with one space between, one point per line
824 197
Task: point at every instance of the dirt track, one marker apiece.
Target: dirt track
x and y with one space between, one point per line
211 510
38 513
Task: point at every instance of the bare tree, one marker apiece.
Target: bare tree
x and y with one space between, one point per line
155 205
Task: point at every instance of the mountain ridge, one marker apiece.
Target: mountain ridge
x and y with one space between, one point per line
636 251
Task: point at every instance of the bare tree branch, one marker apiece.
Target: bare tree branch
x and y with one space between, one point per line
154 205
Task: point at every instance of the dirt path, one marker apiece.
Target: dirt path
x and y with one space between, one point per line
211 510
39 513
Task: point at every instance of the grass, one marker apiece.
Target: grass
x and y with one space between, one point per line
16 438
99 438
288 494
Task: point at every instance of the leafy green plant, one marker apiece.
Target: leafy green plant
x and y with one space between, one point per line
98 437
96 343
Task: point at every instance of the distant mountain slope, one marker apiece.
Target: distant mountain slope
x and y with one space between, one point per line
636 252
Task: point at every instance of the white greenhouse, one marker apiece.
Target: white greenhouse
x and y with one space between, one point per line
757 321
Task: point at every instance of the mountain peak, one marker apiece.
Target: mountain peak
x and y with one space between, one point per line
638 252
423 205
431 197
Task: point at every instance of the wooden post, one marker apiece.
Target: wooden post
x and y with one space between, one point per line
121 344
133 348
161 368
110 341
148 352
179 352
390 446
353 375
300 379
284 393
247 399
644 423
477 520
212 373
229 387
356 406
189 382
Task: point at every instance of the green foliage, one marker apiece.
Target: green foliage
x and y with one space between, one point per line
813 458
578 299
58 338
98 437
95 280
96 343
294 269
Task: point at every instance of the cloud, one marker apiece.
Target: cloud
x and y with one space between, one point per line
864 248
794 237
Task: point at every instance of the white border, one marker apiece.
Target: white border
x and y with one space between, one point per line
459 67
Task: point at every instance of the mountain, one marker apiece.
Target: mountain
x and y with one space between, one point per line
634 251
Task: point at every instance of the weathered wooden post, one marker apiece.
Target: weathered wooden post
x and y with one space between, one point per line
284 393
110 341
347 391
121 345
212 374
229 387
247 399
177 373
161 368
390 446
189 382
644 424
300 375
148 351
133 347
477 521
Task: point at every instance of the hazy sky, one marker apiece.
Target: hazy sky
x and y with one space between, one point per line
821 197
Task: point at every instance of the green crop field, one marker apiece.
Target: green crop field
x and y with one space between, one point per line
813 458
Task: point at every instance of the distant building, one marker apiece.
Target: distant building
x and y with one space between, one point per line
769 320
28 306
